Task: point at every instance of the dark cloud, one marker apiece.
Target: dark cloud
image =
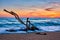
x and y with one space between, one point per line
49 9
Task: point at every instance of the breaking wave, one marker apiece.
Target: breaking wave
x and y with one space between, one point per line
45 24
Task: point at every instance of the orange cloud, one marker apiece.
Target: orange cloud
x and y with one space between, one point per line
30 13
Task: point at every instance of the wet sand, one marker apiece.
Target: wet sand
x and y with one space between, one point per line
31 36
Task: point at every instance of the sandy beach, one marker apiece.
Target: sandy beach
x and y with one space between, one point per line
31 36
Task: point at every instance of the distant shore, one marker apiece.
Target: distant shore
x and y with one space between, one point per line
31 36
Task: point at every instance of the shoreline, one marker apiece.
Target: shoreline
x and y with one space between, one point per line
31 36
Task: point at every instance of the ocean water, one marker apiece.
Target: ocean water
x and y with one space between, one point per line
44 24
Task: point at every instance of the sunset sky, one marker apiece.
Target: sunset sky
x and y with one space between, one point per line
31 8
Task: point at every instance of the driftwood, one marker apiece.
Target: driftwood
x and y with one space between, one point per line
28 23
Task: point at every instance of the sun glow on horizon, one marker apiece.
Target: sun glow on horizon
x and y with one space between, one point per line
32 13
